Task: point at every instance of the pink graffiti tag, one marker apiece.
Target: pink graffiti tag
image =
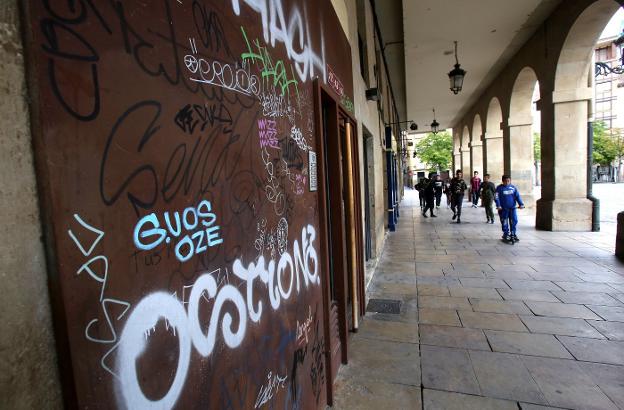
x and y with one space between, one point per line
267 132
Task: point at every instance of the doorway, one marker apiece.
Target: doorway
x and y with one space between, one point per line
340 220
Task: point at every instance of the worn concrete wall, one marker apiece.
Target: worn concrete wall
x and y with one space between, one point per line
28 372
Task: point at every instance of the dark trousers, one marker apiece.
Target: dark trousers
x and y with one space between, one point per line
438 198
475 197
489 208
429 203
456 203
421 198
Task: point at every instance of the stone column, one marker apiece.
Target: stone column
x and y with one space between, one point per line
457 160
465 162
521 157
476 155
564 205
494 155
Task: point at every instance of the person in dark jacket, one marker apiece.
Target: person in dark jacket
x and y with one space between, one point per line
487 191
429 196
458 186
439 187
506 198
420 187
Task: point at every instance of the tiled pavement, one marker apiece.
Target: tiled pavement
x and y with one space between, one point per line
485 325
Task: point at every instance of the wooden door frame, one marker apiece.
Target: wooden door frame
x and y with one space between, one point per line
321 94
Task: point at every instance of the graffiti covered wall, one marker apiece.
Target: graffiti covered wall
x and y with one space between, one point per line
173 141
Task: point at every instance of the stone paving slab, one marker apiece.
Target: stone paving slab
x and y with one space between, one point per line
493 321
611 330
483 283
504 376
561 310
442 302
609 378
615 314
480 293
532 284
560 326
585 298
593 350
458 337
442 400
373 395
527 295
433 290
585 287
438 317
499 306
448 369
530 344
564 384
390 331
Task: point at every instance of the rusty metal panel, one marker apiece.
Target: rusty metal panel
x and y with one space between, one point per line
172 140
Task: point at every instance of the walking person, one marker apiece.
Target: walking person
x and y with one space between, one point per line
506 197
458 186
420 187
429 192
475 185
447 192
439 187
487 192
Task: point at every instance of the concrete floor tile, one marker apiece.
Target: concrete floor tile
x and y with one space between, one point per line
531 344
532 284
493 321
593 350
438 317
611 330
442 302
564 384
560 326
561 310
390 362
361 394
483 283
609 378
449 336
433 290
480 293
499 306
586 298
442 400
527 295
585 287
528 406
504 376
614 314
448 369
602 278
556 276
386 330
501 274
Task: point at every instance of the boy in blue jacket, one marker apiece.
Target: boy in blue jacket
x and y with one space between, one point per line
506 197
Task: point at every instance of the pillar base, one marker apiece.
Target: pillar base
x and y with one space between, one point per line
564 215
619 240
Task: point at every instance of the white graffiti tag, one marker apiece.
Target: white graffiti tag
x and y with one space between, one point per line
279 278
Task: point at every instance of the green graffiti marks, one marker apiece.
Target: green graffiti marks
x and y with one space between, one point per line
271 71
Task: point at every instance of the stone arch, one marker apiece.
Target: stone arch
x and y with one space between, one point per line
476 146
564 204
465 151
520 123
493 141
